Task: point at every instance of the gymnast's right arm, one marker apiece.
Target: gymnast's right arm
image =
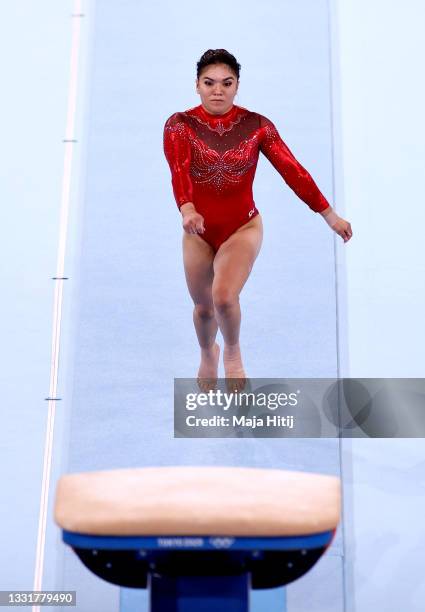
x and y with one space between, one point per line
178 153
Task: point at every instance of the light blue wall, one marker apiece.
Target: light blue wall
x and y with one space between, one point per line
379 100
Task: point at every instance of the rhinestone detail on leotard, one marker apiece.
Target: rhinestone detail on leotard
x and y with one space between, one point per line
220 128
218 169
213 159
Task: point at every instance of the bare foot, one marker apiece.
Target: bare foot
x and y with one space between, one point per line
208 369
233 367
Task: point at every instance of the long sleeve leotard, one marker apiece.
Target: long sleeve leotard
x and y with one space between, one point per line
213 159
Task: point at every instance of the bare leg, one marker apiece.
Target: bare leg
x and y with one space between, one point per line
232 265
198 259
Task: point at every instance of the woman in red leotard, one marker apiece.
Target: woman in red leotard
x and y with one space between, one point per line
212 150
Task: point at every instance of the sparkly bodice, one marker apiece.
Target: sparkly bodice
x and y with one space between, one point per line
216 156
222 150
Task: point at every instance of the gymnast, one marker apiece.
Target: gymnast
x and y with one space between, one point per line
212 150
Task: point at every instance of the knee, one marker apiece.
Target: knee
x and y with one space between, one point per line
204 312
224 300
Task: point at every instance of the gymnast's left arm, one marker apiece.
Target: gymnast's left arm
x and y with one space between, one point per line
298 179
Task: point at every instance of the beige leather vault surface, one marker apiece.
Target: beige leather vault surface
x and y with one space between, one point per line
197 501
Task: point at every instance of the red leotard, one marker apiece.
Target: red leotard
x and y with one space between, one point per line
213 159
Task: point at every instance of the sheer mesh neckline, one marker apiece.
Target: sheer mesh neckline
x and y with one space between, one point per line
218 123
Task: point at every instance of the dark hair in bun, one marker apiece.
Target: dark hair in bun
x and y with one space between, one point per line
218 56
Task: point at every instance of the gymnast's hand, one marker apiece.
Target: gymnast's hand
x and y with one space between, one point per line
193 222
338 224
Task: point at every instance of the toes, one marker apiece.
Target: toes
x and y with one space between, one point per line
207 384
235 385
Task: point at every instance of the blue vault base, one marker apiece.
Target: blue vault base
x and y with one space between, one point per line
199 573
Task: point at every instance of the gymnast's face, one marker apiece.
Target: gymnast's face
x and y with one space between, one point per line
217 85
